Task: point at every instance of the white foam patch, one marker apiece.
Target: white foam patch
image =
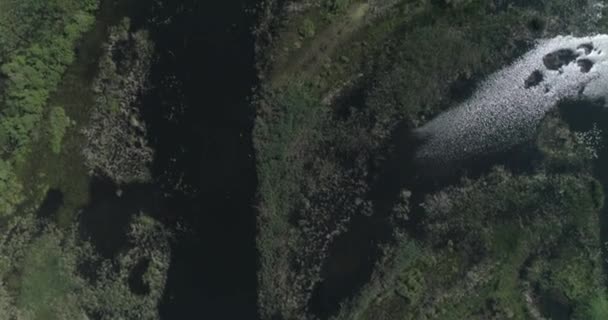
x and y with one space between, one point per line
503 113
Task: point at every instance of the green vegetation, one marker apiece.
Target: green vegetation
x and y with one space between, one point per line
598 308
336 6
340 77
329 106
44 169
283 141
307 30
58 124
32 73
10 188
472 266
46 278
47 270
116 144
50 274
39 39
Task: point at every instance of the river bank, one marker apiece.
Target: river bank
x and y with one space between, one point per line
199 121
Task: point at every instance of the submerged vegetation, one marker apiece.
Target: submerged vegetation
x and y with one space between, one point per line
350 224
471 265
50 267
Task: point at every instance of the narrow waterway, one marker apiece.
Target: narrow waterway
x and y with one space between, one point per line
582 117
200 121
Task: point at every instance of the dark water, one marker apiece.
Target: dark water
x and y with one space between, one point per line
353 254
105 220
555 306
582 116
51 203
136 281
350 263
200 123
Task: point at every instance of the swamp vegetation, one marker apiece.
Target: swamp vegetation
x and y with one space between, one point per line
102 212
256 160
352 226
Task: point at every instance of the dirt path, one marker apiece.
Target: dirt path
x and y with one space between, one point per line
307 61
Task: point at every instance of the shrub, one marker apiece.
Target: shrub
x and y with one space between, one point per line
46 279
37 40
10 189
307 29
597 309
337 6
42 267
281 137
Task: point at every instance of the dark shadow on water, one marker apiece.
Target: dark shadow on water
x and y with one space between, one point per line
463 88
353 254
423 177
555 306
351 260
581 116
52 202
136 281
106 218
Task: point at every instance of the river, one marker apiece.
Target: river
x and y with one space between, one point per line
199 122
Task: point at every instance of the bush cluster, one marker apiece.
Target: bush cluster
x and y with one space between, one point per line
39 38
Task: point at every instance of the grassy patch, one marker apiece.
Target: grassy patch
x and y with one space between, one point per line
479 269
32 72
281 139
59 123
376 67
41 271
598 308
46 280
45 169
